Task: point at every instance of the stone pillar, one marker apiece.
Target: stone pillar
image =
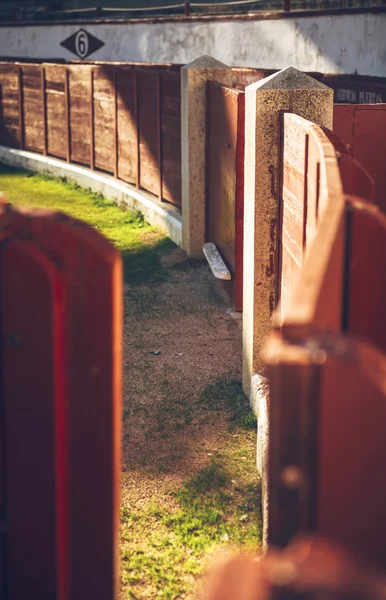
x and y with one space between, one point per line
194 77
288 90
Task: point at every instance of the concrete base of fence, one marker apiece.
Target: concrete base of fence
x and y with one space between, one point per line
160 214
260 406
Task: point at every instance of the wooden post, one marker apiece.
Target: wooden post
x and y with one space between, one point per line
159 111
44 107
187 9
138 158
287 5
67 113
115 122
91 119
21 108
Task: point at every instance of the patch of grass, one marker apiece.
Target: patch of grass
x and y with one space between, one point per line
229 395
141 244
209 512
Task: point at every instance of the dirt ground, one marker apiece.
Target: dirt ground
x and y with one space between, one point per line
183 340
182 374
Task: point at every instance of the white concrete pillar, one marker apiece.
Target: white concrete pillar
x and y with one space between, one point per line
194 77
288 90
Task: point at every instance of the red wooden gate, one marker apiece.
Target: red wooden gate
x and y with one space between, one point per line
60 335
225 180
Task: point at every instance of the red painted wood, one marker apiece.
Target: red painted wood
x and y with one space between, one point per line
76 346
224 184
239 233
33 392
351 487
367 283
363 128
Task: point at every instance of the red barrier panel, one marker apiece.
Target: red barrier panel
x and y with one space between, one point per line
60 383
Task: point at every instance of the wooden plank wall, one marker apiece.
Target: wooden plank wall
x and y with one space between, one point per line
326 358
123 119
363 129
60 363
225 180
307 182
10 105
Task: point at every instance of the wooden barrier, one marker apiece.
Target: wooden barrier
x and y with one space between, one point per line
363 129
326 359
60 410
119 118
327 443
225 181
348 89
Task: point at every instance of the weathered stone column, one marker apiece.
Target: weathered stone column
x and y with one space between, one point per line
194 77
288 90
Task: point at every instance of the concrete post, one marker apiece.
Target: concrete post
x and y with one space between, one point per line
292 91
194 77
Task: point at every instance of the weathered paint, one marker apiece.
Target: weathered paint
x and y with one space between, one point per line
342 43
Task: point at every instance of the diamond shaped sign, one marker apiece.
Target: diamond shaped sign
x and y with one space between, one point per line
82 43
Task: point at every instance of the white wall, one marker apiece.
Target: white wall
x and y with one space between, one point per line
331 44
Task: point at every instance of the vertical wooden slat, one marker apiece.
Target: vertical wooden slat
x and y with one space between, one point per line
67 465
67 113
159 124
31 339
44 107
237 287
293 410
92 133
115 123
138 158
21 107
305 198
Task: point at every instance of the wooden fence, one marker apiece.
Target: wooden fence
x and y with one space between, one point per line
60 413
225 181
363 129
326 360
119 118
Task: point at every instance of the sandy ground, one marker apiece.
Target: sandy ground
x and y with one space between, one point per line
180 338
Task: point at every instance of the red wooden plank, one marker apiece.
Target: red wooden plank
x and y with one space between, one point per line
21 107
32 388
159 132
224 185
239 213
363 127
92 131
367 284
148 115
126 125
89 268
44 108
115 123
67 114
138 156
352 448
171 137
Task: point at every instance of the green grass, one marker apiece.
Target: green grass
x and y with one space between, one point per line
127 230
210 511
166 548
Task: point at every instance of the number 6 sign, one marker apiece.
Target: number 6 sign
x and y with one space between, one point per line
82 43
